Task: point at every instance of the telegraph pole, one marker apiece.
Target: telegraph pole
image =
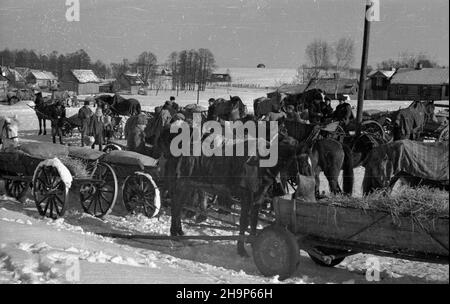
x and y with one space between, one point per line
371 13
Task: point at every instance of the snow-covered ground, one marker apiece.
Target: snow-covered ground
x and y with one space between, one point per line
70 250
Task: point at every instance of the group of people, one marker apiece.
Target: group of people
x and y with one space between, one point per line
96 127
318 112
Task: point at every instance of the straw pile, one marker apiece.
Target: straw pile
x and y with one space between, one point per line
76 167
424 205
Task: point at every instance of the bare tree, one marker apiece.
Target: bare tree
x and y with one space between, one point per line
318 54
344 54
408 59
146 66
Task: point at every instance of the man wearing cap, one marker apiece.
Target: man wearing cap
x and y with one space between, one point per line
84 114
211 109
315 111
343 112
326 109
58 115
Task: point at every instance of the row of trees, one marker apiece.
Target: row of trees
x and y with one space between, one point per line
191 69
408 60
53 62
323 55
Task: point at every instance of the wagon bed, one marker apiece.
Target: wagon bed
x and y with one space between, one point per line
329 233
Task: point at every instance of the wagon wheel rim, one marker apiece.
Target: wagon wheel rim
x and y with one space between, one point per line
99 196
443 136
16 188
49 192
139 195
373 128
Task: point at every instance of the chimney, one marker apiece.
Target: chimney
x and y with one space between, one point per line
419 66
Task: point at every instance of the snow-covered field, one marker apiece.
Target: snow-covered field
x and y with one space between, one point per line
38 250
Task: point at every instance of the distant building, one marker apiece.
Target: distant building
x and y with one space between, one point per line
41 79
108 86
336 86
377 84
15 79
305 74
82 82
3 87
261 66
131 82
420 84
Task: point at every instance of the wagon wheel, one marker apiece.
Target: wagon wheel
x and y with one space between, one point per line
276 252
16 188
99 196
373 128
67 129
443 136
328 252
50 193
141 194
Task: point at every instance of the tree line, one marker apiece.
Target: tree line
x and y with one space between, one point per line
190 69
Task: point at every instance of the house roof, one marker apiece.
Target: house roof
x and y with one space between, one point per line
334 85
386 73
427 76
292 89
85 76
12 74
43 75
133 78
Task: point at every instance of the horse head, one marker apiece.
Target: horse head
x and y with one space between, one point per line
9 131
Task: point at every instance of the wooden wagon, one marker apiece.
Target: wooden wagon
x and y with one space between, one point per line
329 233
54 183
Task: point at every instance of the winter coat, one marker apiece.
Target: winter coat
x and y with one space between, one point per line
96 128
85 114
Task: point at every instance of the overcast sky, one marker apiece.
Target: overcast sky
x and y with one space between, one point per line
241 33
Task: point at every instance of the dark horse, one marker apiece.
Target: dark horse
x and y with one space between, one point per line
229 110
225 176
44 110
408 123
327 155
119 105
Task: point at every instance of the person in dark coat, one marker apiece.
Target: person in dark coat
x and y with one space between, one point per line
343 112
327 110
96 128
315 111
85 114
211 109
58 115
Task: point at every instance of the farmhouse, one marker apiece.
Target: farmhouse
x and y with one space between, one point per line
41 79
377 84
15 79
131 82
419 84
82 82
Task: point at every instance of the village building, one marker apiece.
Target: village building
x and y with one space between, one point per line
130 82
15 79
336 86
419 84
42 79
377 84
82 82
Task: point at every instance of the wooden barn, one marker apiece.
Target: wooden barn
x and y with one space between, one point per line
335 86
41 79
15 79
419 84
131 82
377 84
82 82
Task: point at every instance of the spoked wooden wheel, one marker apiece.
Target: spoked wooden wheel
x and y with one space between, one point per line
50 192
111 147
443 135
98 196
141 194
16 188
339 134
276 252
373 128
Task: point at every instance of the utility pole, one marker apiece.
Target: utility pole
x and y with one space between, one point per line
371 13
198 91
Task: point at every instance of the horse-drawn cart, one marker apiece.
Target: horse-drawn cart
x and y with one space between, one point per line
329 233
57 174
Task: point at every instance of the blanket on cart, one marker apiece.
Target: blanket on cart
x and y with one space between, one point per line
424 160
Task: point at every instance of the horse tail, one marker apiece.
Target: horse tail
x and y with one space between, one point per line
348 176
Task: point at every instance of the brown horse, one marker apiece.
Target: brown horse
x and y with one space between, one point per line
408 123
230 110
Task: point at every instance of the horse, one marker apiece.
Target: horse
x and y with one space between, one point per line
417 162
9 132
229 110
44 110
119 105
408 123
327 155
225 176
